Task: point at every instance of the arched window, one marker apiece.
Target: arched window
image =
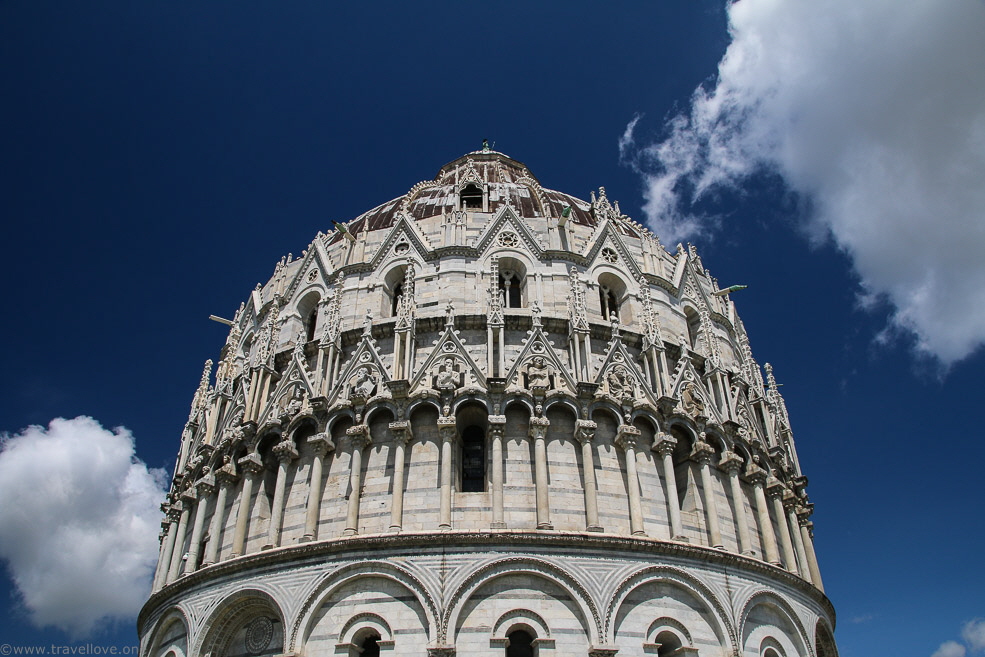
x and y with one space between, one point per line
398 293
770 652
510 286
668 642
307 309
693 327
520 644
473 460
370 646
312 323
612 296
471 196
608 302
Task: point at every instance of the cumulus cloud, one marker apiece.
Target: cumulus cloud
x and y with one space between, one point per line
875 112
950 649
973 634
78 523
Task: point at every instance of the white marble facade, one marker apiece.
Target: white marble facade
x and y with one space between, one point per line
488 418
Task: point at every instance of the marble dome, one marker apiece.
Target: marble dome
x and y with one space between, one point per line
488 418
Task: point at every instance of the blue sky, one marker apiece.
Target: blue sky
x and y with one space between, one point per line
158 159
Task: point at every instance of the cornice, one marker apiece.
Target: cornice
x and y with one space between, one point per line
502 541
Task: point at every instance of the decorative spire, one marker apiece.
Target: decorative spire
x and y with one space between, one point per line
201 398
333 313
494 299
651 321
406 306
708 335
269 331
576 302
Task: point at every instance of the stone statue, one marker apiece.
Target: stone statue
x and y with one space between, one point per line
620 383
538 374
363 383
691 401
447 378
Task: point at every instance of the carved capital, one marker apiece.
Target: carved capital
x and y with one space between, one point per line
585 431
359 436
446 427
756 474
790 501
664 444
538 428
602 651
320 444
226 475
251 464
775 488
401 431
702 452
497 423
444 651
285 451
731 462
174 512
627 436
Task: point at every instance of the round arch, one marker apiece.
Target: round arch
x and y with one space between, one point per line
308 610
800 640
161 629
682 579
590 618
231 616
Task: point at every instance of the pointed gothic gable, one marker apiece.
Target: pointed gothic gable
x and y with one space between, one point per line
537 345
607 235
295 376
692 394
745 417
619 376
404 230
366 356
315 258
463 373
506 219
469 175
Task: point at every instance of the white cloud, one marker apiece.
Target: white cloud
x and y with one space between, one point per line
950 649
973 633
78 523
875 110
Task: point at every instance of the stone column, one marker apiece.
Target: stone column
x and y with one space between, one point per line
627 437
731 463
703 453
446 427
285 451
205 487
173 514
807 531
538 433
226 476
775 490
585 433
496 425
790 506
320 444
401 436
360 439
251 467
664 445
757 476
187 500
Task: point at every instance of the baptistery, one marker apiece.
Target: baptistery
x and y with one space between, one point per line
488 418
